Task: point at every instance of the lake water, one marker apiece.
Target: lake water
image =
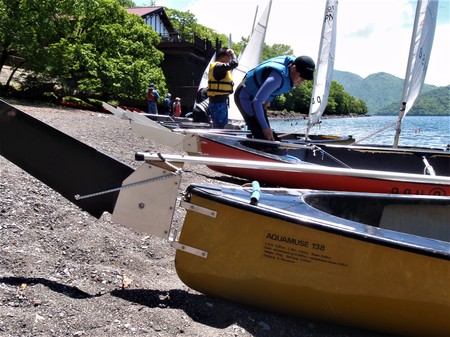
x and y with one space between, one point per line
426 131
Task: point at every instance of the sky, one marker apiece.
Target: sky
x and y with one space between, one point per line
372 36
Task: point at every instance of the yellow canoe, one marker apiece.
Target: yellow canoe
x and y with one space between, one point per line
290 254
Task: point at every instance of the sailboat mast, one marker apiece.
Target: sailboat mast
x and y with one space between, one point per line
254 20
325 65
250 57
406 82
419 55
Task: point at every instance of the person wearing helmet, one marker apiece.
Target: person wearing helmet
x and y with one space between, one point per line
261 84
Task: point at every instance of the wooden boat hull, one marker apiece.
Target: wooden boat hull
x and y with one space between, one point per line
360 158
286 256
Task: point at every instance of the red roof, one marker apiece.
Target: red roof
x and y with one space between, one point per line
142 11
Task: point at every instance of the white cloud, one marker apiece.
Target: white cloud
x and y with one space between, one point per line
373 35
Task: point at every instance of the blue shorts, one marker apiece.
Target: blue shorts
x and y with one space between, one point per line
219 114
152 107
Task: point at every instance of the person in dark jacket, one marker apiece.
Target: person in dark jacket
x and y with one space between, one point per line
263 83
220 86
168 104
200 112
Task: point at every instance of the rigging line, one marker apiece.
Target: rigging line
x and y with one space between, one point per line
138 183
375 133
323 152
293 132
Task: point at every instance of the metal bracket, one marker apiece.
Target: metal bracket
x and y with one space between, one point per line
188 249
148 207
202 210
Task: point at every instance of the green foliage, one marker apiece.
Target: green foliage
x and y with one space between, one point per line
339 102
238 47
26 27
109 53
130 3
186 24
435 102
276 50
96 50
377 90
268 51
93 48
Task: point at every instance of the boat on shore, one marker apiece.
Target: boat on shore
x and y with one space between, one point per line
373 261
349 258
329 166
379 262
175 137
317 177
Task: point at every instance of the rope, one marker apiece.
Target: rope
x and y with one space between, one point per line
295 131
316 148
178 171
375 133
428 168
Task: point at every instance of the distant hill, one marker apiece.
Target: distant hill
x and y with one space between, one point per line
435 102
382 92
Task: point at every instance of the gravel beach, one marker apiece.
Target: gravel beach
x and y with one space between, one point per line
66 273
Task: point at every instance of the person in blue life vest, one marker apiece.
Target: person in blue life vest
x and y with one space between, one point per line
152 99
220 86
261 84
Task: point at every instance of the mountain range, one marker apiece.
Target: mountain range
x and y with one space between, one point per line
382 93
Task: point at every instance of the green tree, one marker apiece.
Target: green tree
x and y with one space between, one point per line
276 50
93 48
343 103
130 3
26 28
109 53
186 24
238 47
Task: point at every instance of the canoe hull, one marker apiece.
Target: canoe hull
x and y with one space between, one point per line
298 269
213 146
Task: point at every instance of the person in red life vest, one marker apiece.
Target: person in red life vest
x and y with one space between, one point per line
152 99
220 86
177 107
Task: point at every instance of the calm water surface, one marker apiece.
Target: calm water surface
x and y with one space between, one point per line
429 131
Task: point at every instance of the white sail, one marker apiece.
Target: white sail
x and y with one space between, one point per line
419 56
325 64
250 58
204 80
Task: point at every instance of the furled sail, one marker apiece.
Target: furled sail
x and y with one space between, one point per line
419 56
250 57
325 64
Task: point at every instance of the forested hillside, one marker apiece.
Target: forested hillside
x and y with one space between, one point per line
382 93
435 102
